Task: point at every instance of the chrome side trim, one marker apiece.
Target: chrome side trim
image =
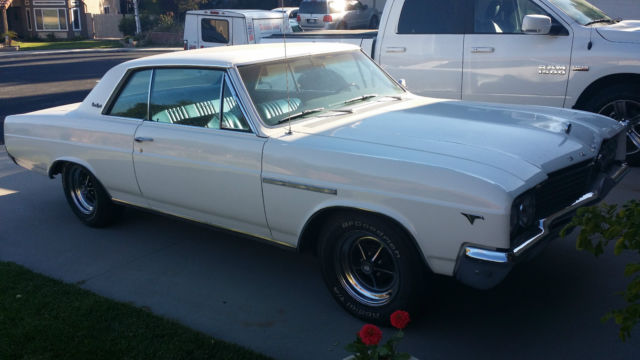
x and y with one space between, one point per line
300 186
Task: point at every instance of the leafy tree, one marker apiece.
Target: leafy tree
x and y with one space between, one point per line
602 225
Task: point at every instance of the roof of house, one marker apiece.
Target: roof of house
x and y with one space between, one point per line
4 4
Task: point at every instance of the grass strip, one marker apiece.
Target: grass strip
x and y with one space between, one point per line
42 318
75 44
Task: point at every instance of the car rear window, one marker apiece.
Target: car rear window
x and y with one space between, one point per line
313 7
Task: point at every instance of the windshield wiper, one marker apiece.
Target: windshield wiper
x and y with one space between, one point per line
599 21
300 114
360 98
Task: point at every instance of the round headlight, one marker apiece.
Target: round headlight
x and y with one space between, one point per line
526 210
523 211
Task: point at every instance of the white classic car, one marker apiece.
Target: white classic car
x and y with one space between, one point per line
318 149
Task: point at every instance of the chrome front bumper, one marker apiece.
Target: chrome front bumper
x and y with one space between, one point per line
484 268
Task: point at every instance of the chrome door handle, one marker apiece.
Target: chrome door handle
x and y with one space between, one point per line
396 49
142 139
482 50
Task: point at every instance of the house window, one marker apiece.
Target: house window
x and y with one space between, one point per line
51 19
106 9
75 19
29 26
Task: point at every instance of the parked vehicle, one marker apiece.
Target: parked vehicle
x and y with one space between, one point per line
330 155
292 12
337 14
219 27
562 53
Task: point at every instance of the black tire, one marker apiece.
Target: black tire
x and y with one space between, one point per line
370 287
342 26
373 23
87 198
620 102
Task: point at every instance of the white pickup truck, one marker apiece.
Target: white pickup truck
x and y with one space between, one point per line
563 53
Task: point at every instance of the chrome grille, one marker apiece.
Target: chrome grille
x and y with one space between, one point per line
563 188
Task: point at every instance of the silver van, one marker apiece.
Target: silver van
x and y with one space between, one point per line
337 14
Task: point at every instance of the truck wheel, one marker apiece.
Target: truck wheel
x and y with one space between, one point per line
370 266
621 102
342 26
87 198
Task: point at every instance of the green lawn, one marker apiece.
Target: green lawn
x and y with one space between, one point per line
76 44
42 318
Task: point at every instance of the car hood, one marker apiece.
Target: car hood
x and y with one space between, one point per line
624 31
520 140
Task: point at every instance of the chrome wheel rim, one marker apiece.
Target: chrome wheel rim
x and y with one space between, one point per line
628 113
82 190
367 269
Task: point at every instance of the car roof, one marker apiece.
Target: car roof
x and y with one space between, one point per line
229 56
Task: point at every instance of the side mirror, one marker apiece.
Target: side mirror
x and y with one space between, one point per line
536 24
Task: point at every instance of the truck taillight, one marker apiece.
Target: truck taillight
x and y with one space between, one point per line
327 18
298 18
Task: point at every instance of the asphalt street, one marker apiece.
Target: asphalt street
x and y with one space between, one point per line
273 300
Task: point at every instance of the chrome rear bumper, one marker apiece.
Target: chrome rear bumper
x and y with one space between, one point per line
485 268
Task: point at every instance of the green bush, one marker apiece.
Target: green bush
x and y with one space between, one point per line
602 225
127 24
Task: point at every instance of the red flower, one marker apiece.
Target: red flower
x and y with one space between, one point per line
370 334
400 319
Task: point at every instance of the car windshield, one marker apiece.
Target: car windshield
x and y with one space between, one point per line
318 85
582 12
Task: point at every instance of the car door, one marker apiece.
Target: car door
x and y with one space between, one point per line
112 136
196 155
425 46
503 64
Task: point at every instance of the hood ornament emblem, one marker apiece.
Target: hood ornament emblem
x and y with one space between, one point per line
567 128
472 218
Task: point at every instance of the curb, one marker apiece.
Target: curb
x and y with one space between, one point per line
12 54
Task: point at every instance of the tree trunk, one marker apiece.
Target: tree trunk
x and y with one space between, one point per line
5 27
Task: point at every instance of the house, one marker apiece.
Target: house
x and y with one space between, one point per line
65 19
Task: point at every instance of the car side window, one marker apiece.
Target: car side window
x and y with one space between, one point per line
232 116
186 96
503 16
215 31
432 17
132 100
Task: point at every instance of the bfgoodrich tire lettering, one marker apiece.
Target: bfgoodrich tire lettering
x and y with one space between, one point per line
370 266
87 198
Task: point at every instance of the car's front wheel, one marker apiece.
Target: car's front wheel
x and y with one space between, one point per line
370 266
88 199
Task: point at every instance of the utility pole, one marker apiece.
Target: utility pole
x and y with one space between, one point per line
137 17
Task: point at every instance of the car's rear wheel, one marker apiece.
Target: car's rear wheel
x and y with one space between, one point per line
370 266
88 199
621 102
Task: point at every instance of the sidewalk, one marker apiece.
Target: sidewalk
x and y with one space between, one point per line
11 54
